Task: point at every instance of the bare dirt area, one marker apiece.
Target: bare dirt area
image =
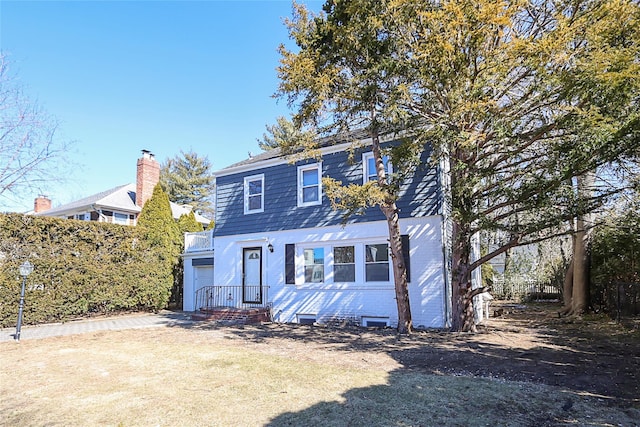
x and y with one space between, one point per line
593 356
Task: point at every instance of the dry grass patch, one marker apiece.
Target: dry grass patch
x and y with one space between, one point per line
219 376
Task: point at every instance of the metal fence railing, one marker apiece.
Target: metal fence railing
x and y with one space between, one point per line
243 297
523 289
619 299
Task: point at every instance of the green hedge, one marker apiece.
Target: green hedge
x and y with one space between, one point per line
80 268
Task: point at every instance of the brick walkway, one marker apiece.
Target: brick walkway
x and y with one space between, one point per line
115 323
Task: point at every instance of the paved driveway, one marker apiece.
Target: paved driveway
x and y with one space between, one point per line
115 323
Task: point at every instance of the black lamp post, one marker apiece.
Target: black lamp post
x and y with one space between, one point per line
25 269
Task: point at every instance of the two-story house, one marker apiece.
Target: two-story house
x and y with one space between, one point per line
277 243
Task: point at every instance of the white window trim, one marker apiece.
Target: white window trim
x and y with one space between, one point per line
354 263
247 180
300 317
124 218
365 263
324 264
329 264
301 169
364 320
365 163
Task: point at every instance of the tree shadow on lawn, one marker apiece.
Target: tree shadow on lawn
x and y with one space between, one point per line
413 398
581 357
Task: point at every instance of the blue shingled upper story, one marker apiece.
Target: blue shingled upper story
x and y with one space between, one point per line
420 195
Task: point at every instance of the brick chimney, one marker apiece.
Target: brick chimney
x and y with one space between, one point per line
147 177
41 204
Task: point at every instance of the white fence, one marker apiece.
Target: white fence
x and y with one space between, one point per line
523 288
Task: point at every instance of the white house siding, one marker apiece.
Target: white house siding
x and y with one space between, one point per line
195 277
330 300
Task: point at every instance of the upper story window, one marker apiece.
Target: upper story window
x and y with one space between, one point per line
369 166
254 194
309 184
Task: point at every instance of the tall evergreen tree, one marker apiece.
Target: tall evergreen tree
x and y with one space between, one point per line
284 134
516 98
187 179
161 232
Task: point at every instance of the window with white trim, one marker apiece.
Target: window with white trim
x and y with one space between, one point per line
306 319
369 167
344 264
313 265
254 194
376 265
309 184
120 218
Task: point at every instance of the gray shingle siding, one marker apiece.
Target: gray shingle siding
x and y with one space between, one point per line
420 196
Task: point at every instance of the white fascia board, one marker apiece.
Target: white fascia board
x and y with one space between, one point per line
117 209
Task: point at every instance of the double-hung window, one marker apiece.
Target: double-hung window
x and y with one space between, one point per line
369 167
314 265
254 194
344 264
376 263
309 184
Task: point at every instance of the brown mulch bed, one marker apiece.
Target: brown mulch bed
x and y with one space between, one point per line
528 342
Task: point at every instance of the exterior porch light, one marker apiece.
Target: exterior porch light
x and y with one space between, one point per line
270 247
25 269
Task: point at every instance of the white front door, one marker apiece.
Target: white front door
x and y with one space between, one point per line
252 275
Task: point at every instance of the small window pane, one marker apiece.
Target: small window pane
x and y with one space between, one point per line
377 272
310 194
255 202
344 273
255 187
343 255
377 253
371 169
310 177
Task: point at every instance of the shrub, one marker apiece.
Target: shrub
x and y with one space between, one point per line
80 268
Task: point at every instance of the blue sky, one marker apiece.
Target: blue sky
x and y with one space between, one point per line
121 76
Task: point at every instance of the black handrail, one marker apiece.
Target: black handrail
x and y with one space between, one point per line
231 296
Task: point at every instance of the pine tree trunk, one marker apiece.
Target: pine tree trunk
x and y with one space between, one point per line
405 323
390 211
580 297
567 289
462 295
580 293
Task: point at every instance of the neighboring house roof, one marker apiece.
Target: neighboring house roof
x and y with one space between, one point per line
122 198
178 210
